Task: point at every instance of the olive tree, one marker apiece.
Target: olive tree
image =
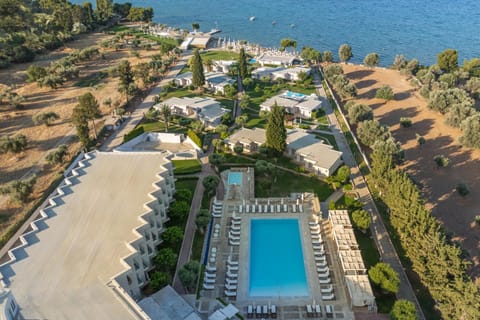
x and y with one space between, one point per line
403 310
385 93
345 52
447 60
360 112
369 131
385 277
371 60
471 131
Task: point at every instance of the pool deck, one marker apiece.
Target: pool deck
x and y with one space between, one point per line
287 307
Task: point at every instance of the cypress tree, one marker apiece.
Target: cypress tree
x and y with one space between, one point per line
276 133
198 78
242 64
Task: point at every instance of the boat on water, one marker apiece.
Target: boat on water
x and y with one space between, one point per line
252 18
274 22
292 25
215 30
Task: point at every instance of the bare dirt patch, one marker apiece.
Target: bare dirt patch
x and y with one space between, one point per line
42 139
438 184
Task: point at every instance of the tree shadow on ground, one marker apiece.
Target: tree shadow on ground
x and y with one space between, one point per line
365 83
359 74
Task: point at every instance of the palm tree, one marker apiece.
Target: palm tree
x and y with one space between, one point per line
166 113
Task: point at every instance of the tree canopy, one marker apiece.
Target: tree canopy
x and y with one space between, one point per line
311 55
345 52
385 92
361 219
447 60
385 277
198 76
371 60
287 42
242 64
403 310
276 134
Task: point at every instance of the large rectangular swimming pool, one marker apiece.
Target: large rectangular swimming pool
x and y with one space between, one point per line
235 177
277 267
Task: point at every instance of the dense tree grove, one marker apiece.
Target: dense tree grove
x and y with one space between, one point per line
30 27
276 134
334 74
311 55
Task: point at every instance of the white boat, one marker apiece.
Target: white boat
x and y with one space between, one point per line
252 18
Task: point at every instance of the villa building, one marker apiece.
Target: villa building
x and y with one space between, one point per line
277 59
288 74
302 147
207 110
223 66
294 103
88 253
215 81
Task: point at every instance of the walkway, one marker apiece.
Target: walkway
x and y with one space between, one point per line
381 236
189 234
134 119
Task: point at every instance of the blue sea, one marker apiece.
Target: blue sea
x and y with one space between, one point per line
414 28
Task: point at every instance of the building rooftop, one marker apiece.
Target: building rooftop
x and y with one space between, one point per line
246 135
280 58
65 271
212 112
169 305
280 100
360 290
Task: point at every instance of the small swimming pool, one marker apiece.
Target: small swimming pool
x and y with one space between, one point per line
235 177
277 266
294 95
252 61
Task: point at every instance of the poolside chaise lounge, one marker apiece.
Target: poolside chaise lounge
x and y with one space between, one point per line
231 287
265 208
318 310
300 208
319 254
235 217
208 286
265 311
330 296
216 215
232 268
233 242
235 233
320 258
317 239
209 280
324 281
210 268
329 310
321 264
258 312
232 275
279 208
232 262
235 228
309 311
317 227
325 274
233 237
323 270
240 209
273 311
272 208
313 223
285 209
249 311
247 209
326 290
318 247
230 293
231 281
294 208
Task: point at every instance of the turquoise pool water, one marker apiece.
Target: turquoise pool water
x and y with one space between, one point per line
235 178
294 95
276 259
252 61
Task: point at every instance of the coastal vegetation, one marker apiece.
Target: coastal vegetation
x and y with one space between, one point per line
32 27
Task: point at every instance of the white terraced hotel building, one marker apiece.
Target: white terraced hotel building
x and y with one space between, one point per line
87 255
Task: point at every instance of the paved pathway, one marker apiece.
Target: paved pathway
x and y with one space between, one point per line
380 234
187 243
132 121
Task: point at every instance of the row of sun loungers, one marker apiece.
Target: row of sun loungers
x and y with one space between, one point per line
210 274
216 231
234 233
270 208
321 262
231 280
262 311
217 209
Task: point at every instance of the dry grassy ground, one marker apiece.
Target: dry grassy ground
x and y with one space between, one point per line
41 139
455 212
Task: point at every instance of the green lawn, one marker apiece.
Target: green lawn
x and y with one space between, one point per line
186 166
138 32
189 183
256 122
219 55
328 139
288 182
159 126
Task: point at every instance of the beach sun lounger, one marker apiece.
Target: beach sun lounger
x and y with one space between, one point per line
273 311
318 310
265 208
233 242
265 311
240 209
285 209
300 208
321 264
232 268
249 311
324 274
258 312
322 270
211 268
231 281
231 262
210 275
235 233
309 311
